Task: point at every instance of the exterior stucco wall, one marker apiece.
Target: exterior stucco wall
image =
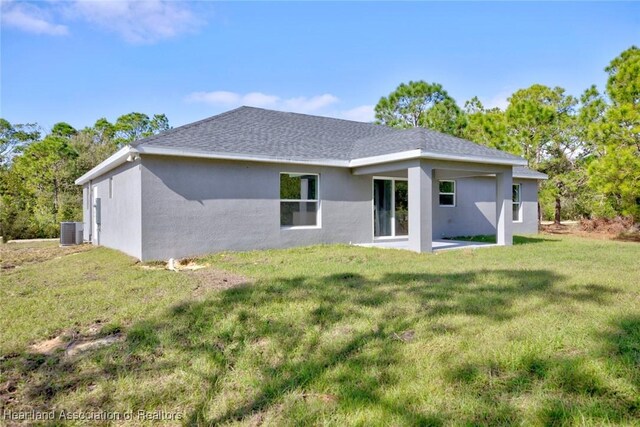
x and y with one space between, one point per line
529 213
475 210
195 206
86 213
121 218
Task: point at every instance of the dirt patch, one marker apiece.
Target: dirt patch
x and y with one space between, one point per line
191 266
90 343
210 279
607 225
621 229
13 255
561 229
206 278
7 392
629 237
75 342
405 336
50 346
322 397
187 264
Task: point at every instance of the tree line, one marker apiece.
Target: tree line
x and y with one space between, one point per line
37 172
588 145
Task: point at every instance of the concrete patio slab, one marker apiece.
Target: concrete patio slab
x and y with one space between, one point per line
438 244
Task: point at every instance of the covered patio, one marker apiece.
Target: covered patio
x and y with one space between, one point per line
422 177
437 244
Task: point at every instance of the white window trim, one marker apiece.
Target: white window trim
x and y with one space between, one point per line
455 188
393 180
317 200
519 220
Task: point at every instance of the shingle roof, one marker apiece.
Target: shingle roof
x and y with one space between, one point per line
427 140
248 130
256 131
525 172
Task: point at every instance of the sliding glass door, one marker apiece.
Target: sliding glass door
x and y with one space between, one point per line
390 207
382 211
401 204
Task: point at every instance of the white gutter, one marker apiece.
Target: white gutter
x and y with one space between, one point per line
473 159
119 157
364 161
127 153
538 178
415 154
240 157
385 158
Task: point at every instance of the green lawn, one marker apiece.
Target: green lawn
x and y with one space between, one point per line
544 332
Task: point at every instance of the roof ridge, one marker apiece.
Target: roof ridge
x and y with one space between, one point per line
293 113
183 127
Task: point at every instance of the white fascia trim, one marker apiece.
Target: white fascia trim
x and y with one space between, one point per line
473 159
119 157
415 154
228 156
537 178
385 158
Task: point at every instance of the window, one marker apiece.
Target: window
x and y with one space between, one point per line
299 201
516 203
447 193
111 188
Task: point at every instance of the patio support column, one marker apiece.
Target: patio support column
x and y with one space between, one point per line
420 207
504 210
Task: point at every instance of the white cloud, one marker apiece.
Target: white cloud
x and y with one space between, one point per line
319 104
31 19
499 100
135 21
363 113
303 104
258 99
300 104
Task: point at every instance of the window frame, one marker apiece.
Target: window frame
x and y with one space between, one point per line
316 200
519 203
440 193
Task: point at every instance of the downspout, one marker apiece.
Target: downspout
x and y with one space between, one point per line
90 196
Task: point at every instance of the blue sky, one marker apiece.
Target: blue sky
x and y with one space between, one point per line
79 61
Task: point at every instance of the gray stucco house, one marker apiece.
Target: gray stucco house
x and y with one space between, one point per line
252 178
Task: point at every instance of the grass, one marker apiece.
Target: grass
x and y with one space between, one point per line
544 332
491 238
13 255
485 238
